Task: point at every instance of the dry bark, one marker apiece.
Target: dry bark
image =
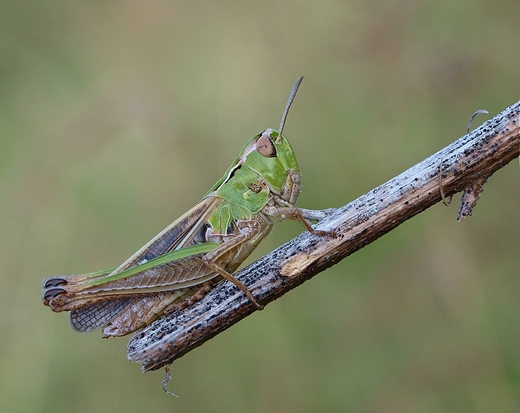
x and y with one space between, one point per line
463 166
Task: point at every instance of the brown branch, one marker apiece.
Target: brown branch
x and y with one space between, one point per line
463 166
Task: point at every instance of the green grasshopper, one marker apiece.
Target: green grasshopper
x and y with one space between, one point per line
206 244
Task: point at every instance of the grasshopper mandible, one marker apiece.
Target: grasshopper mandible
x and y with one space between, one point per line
206 244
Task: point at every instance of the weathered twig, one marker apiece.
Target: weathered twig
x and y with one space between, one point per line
465 165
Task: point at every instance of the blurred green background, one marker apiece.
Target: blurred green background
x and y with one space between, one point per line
117 116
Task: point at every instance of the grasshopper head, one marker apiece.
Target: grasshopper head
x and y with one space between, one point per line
271 156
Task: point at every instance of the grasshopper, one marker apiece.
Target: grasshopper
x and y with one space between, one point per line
206 244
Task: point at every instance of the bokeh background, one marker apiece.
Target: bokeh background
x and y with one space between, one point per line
117 116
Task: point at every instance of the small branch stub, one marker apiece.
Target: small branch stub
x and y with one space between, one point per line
470 196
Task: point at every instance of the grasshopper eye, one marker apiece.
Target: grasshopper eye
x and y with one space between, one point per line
265 147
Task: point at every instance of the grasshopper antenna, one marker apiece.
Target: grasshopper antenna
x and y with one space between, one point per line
289 103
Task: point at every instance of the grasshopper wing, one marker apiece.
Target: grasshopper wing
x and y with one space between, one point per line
166 270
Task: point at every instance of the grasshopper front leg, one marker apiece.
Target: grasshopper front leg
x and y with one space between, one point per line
234 249
302 216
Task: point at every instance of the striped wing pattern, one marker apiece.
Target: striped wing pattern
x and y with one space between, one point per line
119 305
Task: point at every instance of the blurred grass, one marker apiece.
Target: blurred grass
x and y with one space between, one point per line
116 117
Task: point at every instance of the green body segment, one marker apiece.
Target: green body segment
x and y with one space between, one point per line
252 180
242 197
